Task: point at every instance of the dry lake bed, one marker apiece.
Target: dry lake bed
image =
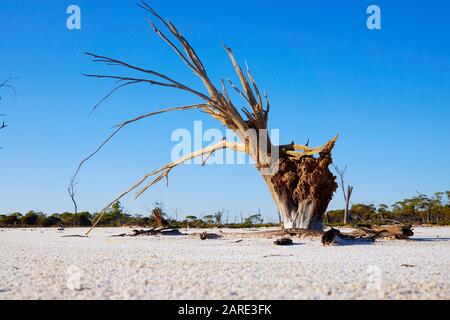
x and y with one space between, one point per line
44 264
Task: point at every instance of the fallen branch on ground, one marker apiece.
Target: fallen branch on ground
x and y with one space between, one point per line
75 236
332 236
399 232
298 233
368 234
208 236
284 242
150 232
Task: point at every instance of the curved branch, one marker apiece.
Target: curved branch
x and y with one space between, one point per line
5 84
164 172
230 117
192 59
111 93
259 118
173 46
176 84
125 123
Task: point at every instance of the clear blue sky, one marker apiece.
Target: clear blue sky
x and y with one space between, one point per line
386 92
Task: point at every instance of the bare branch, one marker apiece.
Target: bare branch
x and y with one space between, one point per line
204 152
123 124
341 174
255 86
164 172
5 84
220 107
111 93
71 192
244 82
174 47
346 193
172 83
192 59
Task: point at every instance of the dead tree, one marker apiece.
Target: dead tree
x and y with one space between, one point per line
71 192
297 176
3 125
158 214
5 84
347 192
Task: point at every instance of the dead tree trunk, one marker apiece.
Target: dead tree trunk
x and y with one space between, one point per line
347 193
302 189
158 214
71 192
297 176
347 204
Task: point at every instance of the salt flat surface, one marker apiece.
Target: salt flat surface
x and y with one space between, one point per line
42 264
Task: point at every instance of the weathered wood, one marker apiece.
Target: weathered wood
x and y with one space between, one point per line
284 242
329 236
302 189
395 232
161 222
368 234
208 236
150 232
334 236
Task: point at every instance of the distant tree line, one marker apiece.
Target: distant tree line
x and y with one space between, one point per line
420 209
117 217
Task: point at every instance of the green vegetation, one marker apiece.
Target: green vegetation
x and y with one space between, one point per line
417 210
420 209
117 217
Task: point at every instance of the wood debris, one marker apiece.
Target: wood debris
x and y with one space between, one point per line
151 232
209 236
284 242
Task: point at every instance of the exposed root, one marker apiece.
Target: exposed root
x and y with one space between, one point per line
303 186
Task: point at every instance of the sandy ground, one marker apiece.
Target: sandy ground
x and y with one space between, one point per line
42 264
